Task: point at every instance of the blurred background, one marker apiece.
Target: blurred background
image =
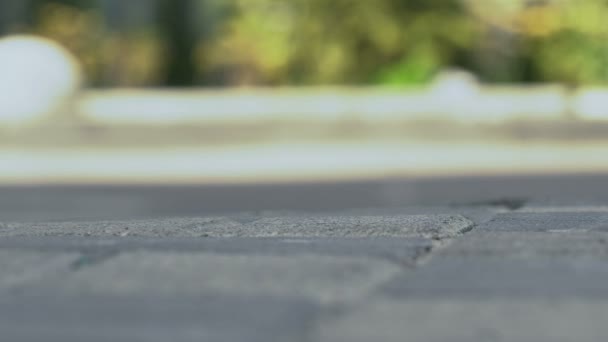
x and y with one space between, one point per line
313 42
207 91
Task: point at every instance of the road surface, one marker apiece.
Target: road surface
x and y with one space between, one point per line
502 258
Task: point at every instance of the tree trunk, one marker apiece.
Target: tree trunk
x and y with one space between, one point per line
175 19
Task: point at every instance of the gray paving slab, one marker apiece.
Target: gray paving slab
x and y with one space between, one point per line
521 259
558 245
135 318
167 227
514 264
562 221
321 278
529 277
568 207
428 226
465 320
478 213
25 267
404 251
436 226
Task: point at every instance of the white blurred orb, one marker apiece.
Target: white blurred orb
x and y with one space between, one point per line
455 86
454 93
38 77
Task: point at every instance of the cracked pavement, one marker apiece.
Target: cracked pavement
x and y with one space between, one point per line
475 259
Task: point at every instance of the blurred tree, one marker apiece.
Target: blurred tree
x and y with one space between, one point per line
175 21
36 8
276 42
12 16
571 57
131 48
73 23
346 41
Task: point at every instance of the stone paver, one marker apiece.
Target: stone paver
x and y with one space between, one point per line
477 213
466 320
322 278
504 269
428 226
483 277
22 267
561 221
556 245
403 251
541 207
174 227
213 318
497 261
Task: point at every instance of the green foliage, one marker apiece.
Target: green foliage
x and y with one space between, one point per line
317 42
347 41
417 67
572 57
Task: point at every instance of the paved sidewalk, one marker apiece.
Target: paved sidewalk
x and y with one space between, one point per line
529 268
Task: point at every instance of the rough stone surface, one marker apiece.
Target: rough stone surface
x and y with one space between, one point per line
562 221
477 213
174 227
428 226
307 263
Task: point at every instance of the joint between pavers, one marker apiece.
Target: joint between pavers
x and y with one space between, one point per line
439 243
